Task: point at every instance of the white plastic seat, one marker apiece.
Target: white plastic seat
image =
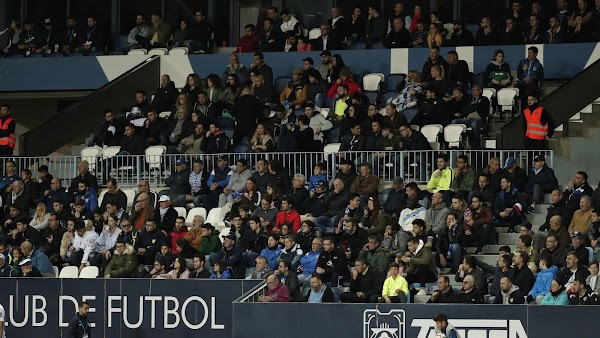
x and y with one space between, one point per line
181 211
165 114
91 155
214 217
153 156
434 145
332 148
55 269
137 52
69 272
314 33
102 192
325 112
371 81
109 152
89 272
130 196
158 51
415 127
431 131
453 134
506 98
382 112
192 213
489 93
224 233
179 51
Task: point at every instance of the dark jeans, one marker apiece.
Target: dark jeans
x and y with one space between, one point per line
400 298
351 297
75 258
534 144
421 275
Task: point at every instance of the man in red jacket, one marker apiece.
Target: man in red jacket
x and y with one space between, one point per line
248 42
345 78
287 214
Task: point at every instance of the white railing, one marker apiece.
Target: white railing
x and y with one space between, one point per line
410 165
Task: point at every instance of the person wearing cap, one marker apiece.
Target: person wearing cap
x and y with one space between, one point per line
460 35
346 173
178 182
508 206
48 39
538 124
518 175
325 68
314 206
294 94
540 180
28 270
399 36
231 257
123 263
578 241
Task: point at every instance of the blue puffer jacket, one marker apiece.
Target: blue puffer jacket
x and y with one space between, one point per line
309 262
543 282
271 256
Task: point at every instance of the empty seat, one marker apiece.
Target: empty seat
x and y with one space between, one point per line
372 96
314 33
415 127
506 98
89 272
153 156
130 196
91 155
192 213
332 148
158 51
214 216
393 80
165 114
109 152
137 52
431 131
372 81
179 51
101 196
181 211
281 82
489 93
453 134
69 272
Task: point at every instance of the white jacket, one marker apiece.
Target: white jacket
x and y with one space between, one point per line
106 240
407 216
289 26
319 121
87 243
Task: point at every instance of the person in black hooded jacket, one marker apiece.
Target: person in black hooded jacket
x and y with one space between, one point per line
166 95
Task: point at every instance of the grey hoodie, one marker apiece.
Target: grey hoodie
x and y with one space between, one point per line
437 217
506 296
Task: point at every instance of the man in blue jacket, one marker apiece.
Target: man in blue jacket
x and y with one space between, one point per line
541 180
543 281
508 206
79 327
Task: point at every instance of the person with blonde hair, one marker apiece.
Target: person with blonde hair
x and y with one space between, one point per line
409 95
40 219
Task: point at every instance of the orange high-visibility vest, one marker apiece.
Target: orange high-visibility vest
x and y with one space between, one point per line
10 139
535 129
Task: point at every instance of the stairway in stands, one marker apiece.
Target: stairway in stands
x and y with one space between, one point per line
490 252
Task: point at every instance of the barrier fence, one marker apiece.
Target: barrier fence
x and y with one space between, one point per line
410 165
122 308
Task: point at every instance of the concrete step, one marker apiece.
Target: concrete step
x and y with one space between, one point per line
507 239
489 259
536 219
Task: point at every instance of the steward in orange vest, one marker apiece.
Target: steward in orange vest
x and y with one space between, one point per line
8 137
538 124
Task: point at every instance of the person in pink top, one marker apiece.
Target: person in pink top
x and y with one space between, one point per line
276 291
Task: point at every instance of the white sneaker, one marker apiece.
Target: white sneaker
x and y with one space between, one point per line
422 292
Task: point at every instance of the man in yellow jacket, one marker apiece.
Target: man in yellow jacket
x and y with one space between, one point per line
441 178
395 287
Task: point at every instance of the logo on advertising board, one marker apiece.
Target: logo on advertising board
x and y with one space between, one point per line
377 324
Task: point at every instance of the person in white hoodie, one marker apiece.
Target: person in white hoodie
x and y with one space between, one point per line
412 211
290 24
237 182
443 328
105 243
83 245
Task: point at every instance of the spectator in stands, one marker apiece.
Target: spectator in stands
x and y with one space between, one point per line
356 26
140 29
182 34
217 142
543 282
335 202
434 38
366 185
396 199
582 10
201 31
525 244
317 122
518 175
113 194
272 251
464 177
51 238
556 295
479 224
194 234
84 244
166 95
577 188
28 269
562 233
460 35
458 70
572 271
578 247
351 237
178 232
83 174
421 265
318 292
154 126
331 264
95 41
14 35
434 59
469 267
451 242
143 212
435 217
395 287
497 73
509 293
218 181
18 198
193 86
418 36
22 233
210 242
160 33
72 38
534 34
233 88
149 242
486 35
582 217
50 38
556 33
270 39
88 196
398 37
123 263
445 293
508 205
287 214
503 268
494 174
530 73
57 207
434 110
27 41
511 33
248 42
198 178
582 294
540 180
44 181
469 294
563 13
290 23
236 68
376 26
294 94
338 23
277 292
413 211
166 215
180 128
298 193
264 91
199 271
375 254
236 184
365 285
105 243
523 276
289 278
442 178
7 132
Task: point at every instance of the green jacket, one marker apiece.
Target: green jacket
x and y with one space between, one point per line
210 244
378 259
124 265
424 258
464 181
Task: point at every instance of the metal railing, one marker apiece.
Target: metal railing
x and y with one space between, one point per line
414 166
252 295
